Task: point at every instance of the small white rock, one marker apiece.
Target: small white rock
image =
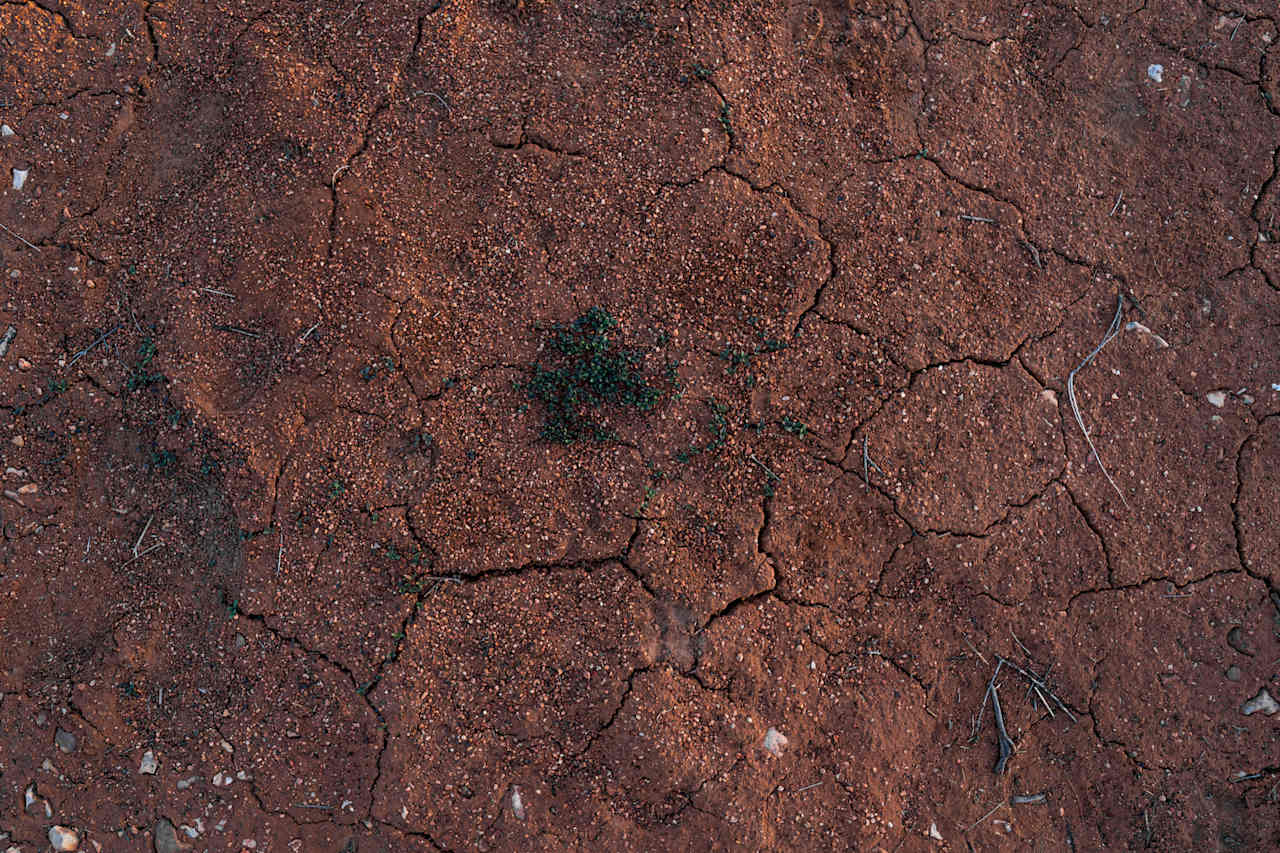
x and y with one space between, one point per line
20 177
1156 72
933 832
517 802
774 742
1262 702
1216 398
149 765
6 131
63 838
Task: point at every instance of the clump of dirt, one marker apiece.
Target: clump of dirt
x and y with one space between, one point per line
334 517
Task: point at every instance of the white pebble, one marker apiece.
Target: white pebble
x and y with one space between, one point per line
1156 72
1262 702
62 838
933 832
517 802
774 742
6 131
149 765
20 177
1217 398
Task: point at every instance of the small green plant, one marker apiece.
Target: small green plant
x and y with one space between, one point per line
725 121
141 376
56 387
161 460
586 372
370 371
717 427
737 358
797 428
793 426
336 488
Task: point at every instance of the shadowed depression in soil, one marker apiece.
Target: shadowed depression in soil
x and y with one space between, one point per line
520 424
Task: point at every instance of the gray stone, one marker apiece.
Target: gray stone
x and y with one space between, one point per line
165 838
65 740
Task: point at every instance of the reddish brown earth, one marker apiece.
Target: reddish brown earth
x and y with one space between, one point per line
277 512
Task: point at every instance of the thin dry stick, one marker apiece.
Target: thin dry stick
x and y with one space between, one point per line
987 815
986 694
772 475
19 237
1117 323
974 650
143 534
1006 743
868 463
85 351
1038 683
144 552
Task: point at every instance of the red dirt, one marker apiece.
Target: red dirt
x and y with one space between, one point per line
277 511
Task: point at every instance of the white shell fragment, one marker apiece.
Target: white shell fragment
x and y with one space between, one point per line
1156 72
1216 398
6 131
20 177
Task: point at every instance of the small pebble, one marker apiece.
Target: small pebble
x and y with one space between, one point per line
23 364
63 838
65 740
149 765
165 837
1262 702
6 131
517 803
774 742
1216 398
1233 673
6 339
20 177
184 784
1156 72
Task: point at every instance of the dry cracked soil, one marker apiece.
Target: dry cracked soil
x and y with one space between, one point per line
290 561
